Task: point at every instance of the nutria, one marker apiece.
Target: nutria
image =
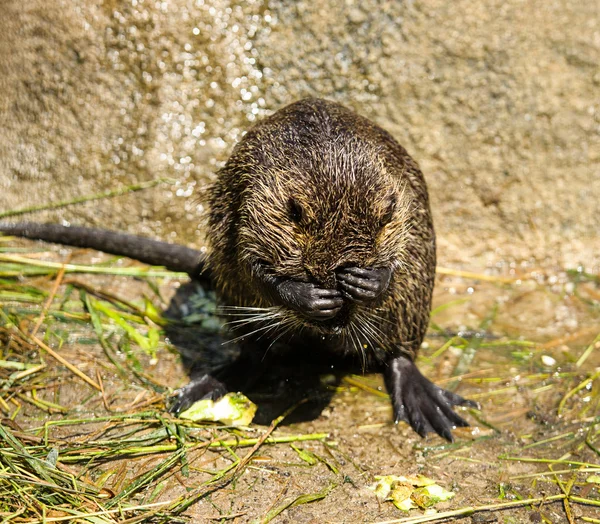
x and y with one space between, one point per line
320 236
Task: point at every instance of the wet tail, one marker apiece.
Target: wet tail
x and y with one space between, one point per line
156 253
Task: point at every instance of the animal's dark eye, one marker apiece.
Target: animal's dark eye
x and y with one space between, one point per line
295 210
389 212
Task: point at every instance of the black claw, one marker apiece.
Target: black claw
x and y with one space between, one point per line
360 296
470 404
457 400
400 414
460 422
438 420
363 284
416 400
310 300
445 405
454 420
446 434
442 427
367 285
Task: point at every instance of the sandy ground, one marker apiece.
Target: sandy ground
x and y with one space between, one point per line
502 458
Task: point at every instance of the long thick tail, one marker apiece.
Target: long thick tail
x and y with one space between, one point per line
156 253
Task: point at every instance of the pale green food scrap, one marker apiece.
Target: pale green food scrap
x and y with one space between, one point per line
429 496
382 487
234 409
401 496
410 492
421 480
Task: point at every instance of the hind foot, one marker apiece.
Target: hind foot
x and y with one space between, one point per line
420 403
204 387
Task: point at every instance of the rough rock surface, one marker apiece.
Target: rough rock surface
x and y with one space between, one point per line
497 100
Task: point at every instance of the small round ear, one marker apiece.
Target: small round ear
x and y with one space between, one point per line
295 210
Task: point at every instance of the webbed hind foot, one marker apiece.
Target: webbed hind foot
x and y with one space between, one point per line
419 402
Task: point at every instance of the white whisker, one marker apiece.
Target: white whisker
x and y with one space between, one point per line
377 326
272 327
287 325
375 334
246 314
358 347
258 330
373 315
253 318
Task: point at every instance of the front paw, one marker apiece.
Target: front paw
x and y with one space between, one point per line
310 300
420 403
363 285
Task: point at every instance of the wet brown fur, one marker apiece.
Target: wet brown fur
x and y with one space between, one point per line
343 170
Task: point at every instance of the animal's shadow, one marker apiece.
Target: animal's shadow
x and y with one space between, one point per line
277 381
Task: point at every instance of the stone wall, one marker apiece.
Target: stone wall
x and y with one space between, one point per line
497 100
